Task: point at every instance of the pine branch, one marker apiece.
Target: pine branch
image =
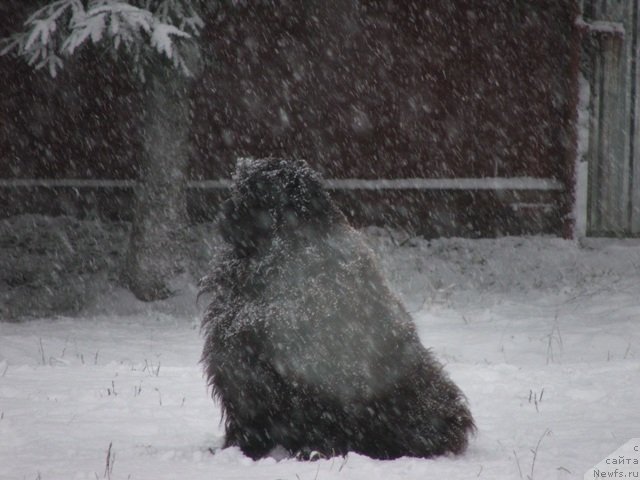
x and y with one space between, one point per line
60 28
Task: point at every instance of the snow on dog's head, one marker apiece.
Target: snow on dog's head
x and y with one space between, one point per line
273 197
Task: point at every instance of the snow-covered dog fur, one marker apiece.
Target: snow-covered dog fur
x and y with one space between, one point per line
305 345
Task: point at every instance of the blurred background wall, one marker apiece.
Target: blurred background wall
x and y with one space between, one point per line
472 89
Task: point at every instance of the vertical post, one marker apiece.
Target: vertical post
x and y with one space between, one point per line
612 25
635 95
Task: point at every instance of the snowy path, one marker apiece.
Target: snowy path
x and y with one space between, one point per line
555 370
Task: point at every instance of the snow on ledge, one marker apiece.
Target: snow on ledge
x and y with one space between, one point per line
484 183
601 26
65 182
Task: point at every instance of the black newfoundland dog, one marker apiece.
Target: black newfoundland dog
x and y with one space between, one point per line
306 347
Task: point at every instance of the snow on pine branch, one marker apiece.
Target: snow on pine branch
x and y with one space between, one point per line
161 38
121 21
38 42
62 26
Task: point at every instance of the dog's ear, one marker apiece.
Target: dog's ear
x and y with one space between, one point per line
305 197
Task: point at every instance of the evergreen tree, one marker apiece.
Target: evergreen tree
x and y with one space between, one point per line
159 38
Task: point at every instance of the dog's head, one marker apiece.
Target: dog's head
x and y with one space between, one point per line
272 197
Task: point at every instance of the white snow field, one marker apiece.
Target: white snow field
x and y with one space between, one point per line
542 334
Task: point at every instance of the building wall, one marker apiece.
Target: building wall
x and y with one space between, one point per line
363 89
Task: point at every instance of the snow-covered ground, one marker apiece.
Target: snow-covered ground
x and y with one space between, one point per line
542 334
